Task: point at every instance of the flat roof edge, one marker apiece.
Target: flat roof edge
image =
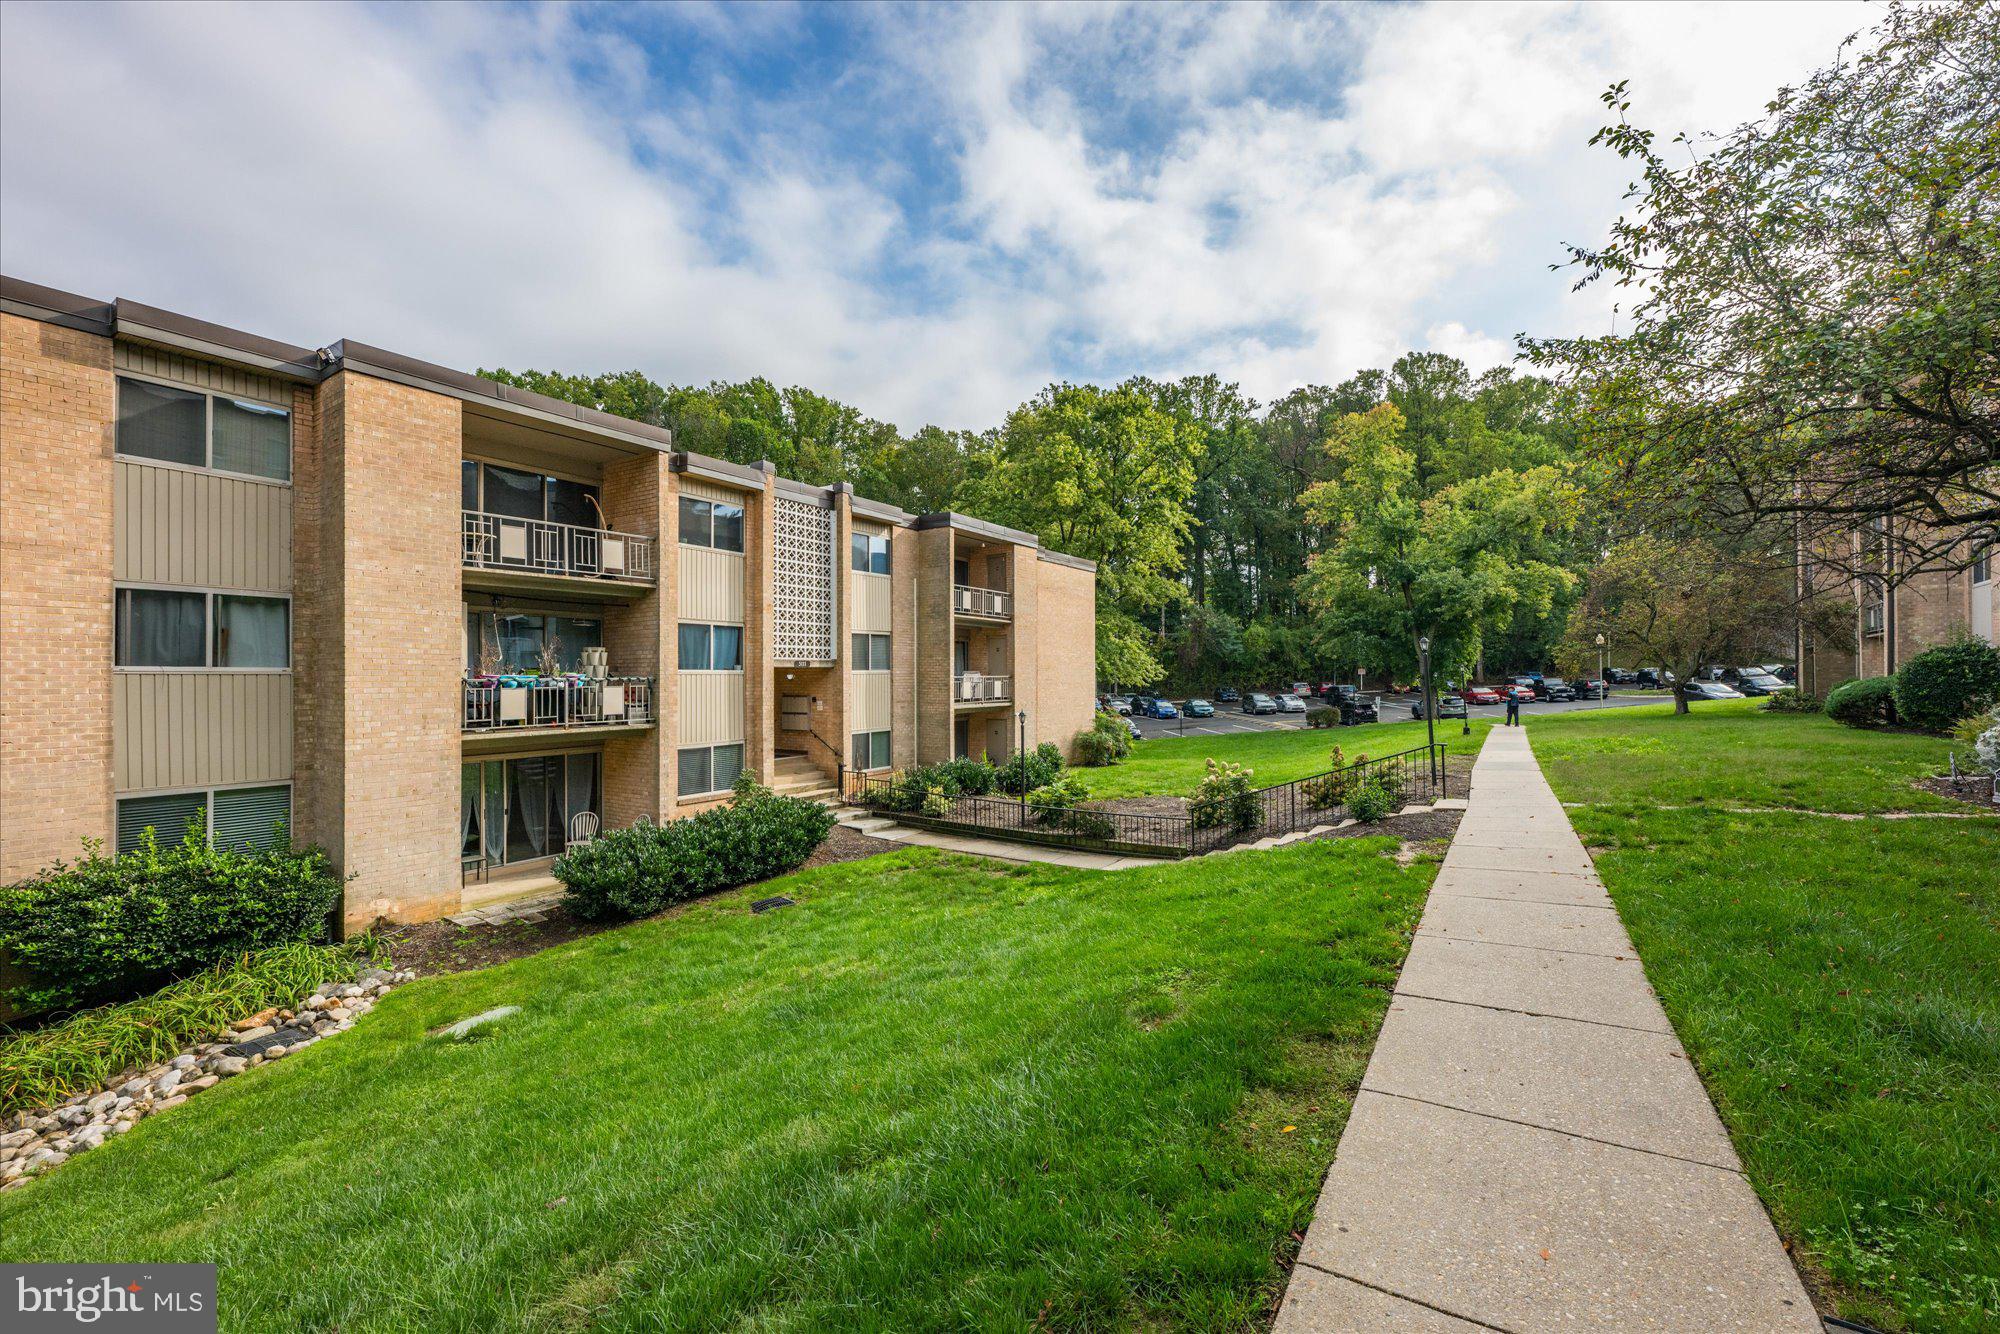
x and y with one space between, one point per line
52 305
720 470
1064 558
977 527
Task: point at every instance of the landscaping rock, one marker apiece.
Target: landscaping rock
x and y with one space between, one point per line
224 1066
197 1085
166 1083
181 1062
260 1031
14 1139
174 1101
338 1013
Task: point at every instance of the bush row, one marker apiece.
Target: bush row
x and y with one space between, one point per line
107 927
638 870
1933 691
1105 742
46 1065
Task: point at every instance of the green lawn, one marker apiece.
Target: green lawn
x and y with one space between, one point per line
938 1093
1171 766
1837 982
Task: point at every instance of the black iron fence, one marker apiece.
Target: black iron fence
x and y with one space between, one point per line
1411 776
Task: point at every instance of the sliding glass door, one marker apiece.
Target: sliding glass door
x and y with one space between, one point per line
521 810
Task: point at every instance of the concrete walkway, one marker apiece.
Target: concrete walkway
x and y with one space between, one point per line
1531 1149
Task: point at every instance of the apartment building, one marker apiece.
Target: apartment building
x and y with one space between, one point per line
441 626
1900 614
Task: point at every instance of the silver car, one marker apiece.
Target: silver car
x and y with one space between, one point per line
1291 704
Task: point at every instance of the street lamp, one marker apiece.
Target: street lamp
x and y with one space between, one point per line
1600 666
1022 751
1430 705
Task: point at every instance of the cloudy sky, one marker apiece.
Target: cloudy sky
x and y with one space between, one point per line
929 212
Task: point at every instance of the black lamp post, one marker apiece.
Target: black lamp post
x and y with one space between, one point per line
1430 705
1601 667
1022 751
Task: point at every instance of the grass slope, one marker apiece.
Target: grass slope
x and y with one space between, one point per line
1171 766
939 1092
1837 983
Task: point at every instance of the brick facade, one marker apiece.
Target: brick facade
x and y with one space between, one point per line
1065 663
639 770
57 409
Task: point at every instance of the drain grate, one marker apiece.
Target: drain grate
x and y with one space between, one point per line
284 1037
766 905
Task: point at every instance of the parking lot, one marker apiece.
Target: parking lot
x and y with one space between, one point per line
1394 709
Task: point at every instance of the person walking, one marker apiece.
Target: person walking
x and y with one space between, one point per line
1513 709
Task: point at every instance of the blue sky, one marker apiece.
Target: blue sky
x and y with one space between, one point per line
927 211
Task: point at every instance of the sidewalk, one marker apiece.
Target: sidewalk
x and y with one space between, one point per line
1531 1150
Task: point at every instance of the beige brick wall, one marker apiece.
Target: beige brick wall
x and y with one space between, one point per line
934 635
57 409
905 548
1065 663
317 730
760 723
401 648
639 770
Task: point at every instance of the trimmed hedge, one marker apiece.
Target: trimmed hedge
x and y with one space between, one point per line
1040 767
1105 742
1789 700
46 1065
637 871
1866 703
1942 685
104 928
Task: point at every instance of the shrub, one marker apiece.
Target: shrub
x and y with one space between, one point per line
47 1065
1039 768
972 778
936 804
1789 700
107 927
1106 741
1321 716
1866 703
1225 797
914 786
1371 801
639 870
1979 733
1059 794
1330 789
1941 685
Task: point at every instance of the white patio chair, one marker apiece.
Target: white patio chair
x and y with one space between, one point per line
582 828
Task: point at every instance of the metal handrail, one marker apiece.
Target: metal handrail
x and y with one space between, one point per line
539 546
972 688
976 601
514 703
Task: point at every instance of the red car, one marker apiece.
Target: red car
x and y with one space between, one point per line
1526 694
1481 695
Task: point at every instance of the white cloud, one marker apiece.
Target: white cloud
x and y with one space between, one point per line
1311 191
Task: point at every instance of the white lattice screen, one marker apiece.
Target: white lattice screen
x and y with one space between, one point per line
802 580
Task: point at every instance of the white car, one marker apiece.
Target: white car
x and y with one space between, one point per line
1711 690
1291 704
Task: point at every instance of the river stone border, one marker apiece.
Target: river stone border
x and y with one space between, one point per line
33 1142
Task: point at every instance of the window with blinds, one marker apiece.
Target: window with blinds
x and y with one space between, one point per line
167 816
709 769
250 818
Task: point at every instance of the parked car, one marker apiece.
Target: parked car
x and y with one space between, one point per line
1788 675
1591 688
1655 678
1346 692
1120 705
1326 689
1291 704
1200 708
1518 692
1449 706
1757 681
1161 708
1711 690
1526 683
1254 702
1481 695
1229 695
1302 688
1556 690
1621 676
1358 708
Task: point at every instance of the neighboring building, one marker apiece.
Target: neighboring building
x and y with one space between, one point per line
1897 617
268 582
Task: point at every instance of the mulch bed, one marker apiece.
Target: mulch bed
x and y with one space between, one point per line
1974 791
441 947
1427 827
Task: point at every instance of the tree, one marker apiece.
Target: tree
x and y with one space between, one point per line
1398 565
1685 602
1104 474
1818 294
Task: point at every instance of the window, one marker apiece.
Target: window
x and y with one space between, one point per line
871 750
871 653
707 769
522 809
170 425
238 818
870 551
516 493
711 523
711 648
174 627
1982 564
507 643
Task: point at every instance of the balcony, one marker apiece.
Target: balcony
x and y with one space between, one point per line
495 704
975 688
990 603
506 552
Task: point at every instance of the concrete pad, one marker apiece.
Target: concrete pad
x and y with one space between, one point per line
1322 1303
1612 1084
1590 987
1582 891
1526 1229
1586 930
1547 859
